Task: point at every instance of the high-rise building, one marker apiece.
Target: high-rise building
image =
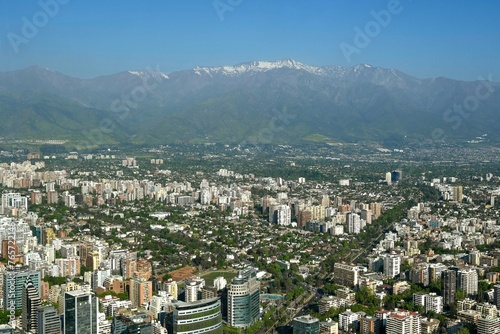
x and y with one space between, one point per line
396 176
139 323
141 291
449 282
434 303
457 193
430 301
191 291
305 325
403 322
220 283
392 265
80 312
303 217
282 215
488 325
369 325
348 321
48 320
159 302
171 287
243 299
388 177
435 270
13 200
474 258
14 280
347 275
325 200
366 215
31 301
329 327
353 223
376 209
202 316
467 281
496 295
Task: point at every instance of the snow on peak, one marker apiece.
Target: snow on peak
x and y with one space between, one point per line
149 73
265 66
258 66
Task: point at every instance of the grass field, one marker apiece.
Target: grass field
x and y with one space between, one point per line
209 277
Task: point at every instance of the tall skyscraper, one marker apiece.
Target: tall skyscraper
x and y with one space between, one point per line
449 281
243 299
80 312
48 321
13 285
31 301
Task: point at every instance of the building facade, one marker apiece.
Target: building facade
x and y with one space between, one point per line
202 316
80 312
243 299
305 325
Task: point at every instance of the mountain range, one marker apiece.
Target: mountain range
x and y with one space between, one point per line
260 102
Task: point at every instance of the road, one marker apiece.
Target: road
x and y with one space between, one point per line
370 244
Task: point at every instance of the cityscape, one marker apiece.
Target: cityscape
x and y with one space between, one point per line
249 167
168 240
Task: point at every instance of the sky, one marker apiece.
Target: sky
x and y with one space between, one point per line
459 39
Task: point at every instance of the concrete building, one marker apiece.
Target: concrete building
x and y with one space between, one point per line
31 302
305 325
202 316
488 325
467 280
48 320
141 291
139 323
347 275
14 281
80 312
392 265
449 282
348 321
243 299
403 322
328 327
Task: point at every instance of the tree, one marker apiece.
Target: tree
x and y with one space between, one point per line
460 295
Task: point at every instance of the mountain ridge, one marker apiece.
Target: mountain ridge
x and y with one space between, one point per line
236 103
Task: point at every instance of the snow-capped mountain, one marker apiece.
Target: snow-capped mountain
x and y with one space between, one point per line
150 74
280 101
260 66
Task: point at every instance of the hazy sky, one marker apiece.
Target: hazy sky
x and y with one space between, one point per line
87 38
